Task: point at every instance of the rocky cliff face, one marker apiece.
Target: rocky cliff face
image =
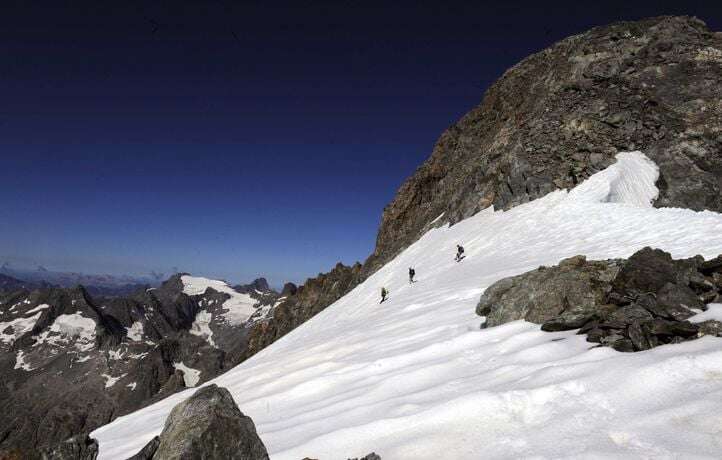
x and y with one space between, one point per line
563 113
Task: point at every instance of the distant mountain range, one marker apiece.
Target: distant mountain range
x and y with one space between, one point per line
71 360
96 284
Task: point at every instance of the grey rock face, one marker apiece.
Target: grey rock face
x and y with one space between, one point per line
562 114
567 293
260 285
209 426
630 305
80 447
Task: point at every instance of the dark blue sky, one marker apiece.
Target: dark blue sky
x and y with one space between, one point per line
235 140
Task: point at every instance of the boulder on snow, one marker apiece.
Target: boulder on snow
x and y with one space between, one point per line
629 305
575 288
371 456
208 425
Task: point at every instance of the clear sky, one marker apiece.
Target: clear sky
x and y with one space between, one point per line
233 139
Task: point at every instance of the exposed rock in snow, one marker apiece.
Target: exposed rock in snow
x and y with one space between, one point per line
208 425
630 305
575 288
371 456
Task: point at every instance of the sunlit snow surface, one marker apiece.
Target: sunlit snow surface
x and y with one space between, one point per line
415 378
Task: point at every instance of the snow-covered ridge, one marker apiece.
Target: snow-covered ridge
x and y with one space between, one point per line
415 377
238 308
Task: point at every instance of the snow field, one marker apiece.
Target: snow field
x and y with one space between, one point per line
416 378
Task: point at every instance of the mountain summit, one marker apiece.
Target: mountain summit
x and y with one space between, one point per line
562 114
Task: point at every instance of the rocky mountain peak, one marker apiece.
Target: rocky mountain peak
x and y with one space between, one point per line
259 285
563 113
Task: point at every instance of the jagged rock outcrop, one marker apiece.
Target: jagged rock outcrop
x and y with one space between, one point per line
562 114
631 305
207 425
259 286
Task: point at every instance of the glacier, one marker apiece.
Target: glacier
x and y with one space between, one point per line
416 378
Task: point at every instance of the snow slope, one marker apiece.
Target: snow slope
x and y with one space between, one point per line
416 378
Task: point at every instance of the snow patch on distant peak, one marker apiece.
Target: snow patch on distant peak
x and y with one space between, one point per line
40 307
20 362
110 380
190 376
70 327
202 327
12 330
238 308
631 180
135 331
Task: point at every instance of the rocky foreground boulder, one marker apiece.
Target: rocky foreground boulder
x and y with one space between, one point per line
630 305
206 426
